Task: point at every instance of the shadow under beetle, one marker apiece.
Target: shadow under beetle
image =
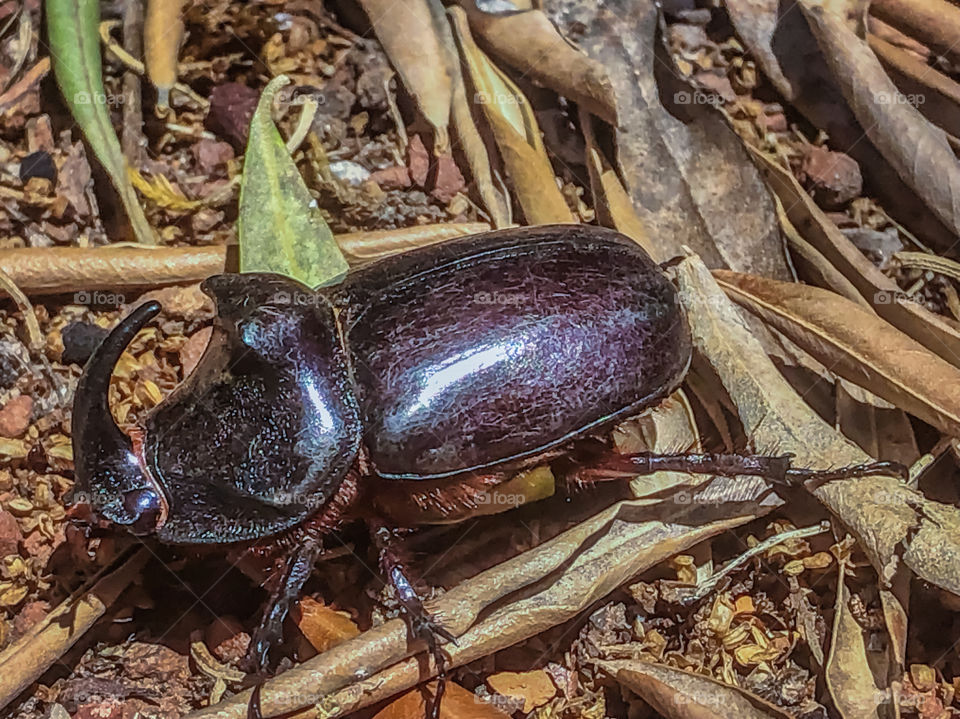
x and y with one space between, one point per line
412 388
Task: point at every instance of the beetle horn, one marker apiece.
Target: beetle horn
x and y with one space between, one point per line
99 446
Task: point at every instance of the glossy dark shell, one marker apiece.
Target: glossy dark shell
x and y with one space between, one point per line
499 346
263 431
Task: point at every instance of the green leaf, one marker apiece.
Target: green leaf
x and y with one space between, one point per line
280 228
75 52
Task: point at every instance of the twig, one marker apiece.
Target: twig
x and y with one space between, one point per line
55 270
28 658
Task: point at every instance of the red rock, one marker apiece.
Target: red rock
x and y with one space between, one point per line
15 416
10 534
29 615
833 177
231 109
775 122
110 708
212 154
418 161
227 640
449 180
392 178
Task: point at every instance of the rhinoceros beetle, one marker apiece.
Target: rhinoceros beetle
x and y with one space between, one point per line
413 387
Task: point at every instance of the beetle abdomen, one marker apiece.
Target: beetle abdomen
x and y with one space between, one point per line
495 347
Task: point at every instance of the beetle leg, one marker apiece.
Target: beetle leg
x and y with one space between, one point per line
594 464
298 566
421 624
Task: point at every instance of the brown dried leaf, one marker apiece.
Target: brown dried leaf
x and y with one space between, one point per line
677 694
515 130
323 626
849 673
855 344
534 688
407 29
887 518
936 333
457 703
917 150
545 57
684 168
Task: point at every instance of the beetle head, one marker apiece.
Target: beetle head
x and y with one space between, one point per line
257 438
108 470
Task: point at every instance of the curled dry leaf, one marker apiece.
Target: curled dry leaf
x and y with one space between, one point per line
545 57
162 34
936 333
852 677
323 626
855 344
918 150
935 22
685 170
914 77
673 692
515 130
408 31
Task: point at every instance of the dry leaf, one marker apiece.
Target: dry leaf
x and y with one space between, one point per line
936 333
545 57
914 77
323 626
535 688
918 150
684 168
935 22
162 34
407 29
515 130
849 672
855 344
677 694
457 703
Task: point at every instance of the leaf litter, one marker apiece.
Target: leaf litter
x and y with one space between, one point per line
684 129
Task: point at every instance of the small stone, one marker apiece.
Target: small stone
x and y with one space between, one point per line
80 339
15 416
449 180
212 155
833 177
227 640
231 109
418 161
10 534
392 178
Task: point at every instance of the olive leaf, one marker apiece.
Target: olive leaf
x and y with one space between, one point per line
279 227
75 49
